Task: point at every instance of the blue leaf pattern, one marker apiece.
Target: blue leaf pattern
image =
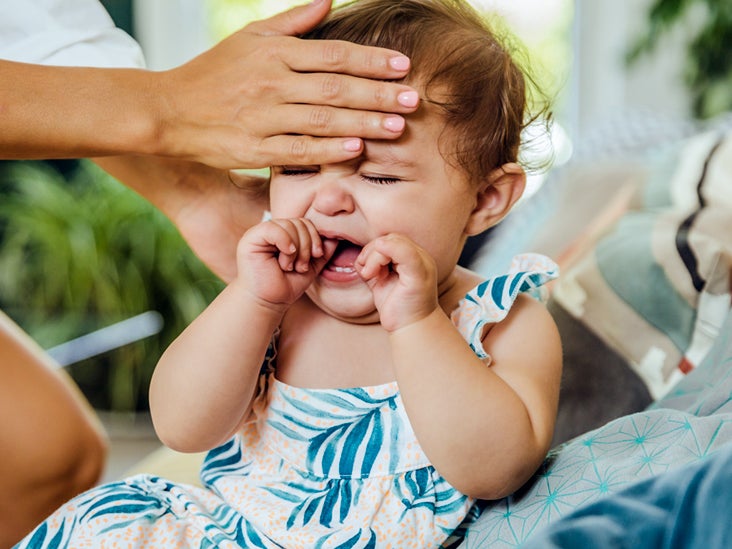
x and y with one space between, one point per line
222 461
490 301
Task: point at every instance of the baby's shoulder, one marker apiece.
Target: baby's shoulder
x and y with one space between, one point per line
528 273
487 301
467 281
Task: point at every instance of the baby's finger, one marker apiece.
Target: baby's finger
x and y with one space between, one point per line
328 248
372 264
410 261
287 255
305 234
316 241
280 236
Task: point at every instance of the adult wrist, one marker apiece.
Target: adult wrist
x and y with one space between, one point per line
142 111
163 94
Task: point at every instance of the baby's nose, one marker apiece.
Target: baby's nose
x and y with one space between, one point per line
333 197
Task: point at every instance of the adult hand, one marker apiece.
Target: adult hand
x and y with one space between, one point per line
263 97
258 98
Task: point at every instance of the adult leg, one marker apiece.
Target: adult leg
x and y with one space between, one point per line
685 508
52 445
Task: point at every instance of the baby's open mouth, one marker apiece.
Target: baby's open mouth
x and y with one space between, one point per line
344 257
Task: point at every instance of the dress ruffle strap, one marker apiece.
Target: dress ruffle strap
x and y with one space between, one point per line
490 301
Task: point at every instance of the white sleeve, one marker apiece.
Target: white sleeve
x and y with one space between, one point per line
64 32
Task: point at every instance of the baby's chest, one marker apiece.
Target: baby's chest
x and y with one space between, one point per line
325 355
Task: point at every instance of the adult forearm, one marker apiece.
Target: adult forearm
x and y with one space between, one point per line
212 208
73 112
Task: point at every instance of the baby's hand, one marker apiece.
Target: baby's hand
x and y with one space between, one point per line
278 259
403 278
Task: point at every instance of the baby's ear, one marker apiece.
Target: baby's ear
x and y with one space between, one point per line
496 196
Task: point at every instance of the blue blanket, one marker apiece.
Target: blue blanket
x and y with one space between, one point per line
596 479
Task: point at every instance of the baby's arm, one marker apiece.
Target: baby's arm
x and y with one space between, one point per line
485 429
203 385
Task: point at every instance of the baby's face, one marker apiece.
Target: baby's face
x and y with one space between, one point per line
403 186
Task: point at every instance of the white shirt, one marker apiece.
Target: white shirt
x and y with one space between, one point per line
64 32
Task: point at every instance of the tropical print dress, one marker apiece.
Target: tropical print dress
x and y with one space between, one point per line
316 468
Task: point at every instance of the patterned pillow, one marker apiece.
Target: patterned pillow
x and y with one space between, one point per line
655 287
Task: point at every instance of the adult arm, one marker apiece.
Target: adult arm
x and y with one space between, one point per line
211 208
259 97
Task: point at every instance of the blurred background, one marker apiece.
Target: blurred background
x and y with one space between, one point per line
79 252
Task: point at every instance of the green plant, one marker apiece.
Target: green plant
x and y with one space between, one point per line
83 252
708 73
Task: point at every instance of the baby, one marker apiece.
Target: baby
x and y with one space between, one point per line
355 386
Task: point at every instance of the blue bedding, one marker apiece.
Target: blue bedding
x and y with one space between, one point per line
591 480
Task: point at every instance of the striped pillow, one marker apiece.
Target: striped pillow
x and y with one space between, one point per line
655 287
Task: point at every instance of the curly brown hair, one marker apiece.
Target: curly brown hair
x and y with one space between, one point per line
459 63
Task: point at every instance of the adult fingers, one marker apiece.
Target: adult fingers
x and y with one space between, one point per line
341 90
294 21
343 57
323 121
306 137
305 150
328 55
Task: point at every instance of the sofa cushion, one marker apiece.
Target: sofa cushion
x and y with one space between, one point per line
654 288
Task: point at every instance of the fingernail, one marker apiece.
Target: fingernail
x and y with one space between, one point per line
352 145
408 98
399 63
394 123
